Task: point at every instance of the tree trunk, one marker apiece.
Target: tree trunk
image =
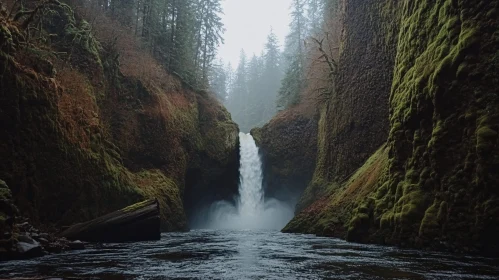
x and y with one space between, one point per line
138 222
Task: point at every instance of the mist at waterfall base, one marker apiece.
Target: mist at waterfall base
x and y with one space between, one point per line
251 210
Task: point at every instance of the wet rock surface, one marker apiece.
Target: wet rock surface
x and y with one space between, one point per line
30 243
288 146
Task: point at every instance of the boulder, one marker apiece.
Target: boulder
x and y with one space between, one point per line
27 250
76 245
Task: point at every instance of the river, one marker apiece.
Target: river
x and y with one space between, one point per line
260 252
251 254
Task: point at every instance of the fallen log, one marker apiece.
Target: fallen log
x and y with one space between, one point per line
137 222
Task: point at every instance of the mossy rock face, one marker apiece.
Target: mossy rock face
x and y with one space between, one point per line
154 184
58 172
288 146
94 140
353 122
346 209
257 135
440 95
438 187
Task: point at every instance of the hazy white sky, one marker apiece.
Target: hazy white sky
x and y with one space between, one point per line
247 24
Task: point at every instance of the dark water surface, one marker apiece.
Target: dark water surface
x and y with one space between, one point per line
206 254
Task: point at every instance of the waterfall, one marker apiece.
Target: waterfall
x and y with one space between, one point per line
252 210
250 202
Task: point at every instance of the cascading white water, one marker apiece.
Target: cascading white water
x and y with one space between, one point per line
251 211
250 202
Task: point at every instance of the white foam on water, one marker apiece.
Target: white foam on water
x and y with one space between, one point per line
251 211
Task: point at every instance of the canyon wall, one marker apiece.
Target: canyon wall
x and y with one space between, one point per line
420 76
288 146
353 121
87 130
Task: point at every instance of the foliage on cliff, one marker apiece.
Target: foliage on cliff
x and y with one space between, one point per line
290 141
332 213
353 112
437 186
444 154
88 130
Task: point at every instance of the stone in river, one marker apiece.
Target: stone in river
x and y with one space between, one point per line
76 245
27 250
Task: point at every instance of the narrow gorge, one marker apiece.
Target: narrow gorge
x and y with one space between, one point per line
297 139
407 146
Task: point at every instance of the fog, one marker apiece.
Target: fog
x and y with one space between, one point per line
251 210
247 24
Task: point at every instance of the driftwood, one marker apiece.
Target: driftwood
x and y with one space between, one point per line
138 222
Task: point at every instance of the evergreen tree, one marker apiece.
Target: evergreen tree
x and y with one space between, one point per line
256 83
252 110
315 15
209 34
182 34
239 91
272 75
219 80
254 76
229 72
240 86
294 77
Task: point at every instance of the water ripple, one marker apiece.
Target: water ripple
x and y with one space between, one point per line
227 254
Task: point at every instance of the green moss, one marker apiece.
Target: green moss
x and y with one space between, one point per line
382 191
154 184
358 220
430 221
257 135
443 140
442 211
5 193
135 206
320 184
412 176
387 220
486 139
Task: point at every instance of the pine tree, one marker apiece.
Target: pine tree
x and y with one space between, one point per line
219 80
124 11
253 109
182 34
254 75
272 75
315 15
294 77
209 34
241 77
229 72
239 92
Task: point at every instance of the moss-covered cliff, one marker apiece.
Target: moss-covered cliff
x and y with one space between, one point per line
80 138
8 215
437 186
353 121
288 145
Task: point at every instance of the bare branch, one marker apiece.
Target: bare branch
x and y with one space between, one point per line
333 65
13 8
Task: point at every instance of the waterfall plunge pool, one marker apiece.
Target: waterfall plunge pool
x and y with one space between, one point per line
252 210
243 242
251 254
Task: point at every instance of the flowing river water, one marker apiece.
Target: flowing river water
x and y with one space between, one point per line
251 254
243 242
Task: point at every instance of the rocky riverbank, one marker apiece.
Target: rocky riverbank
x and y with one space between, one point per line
30 242
19 239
